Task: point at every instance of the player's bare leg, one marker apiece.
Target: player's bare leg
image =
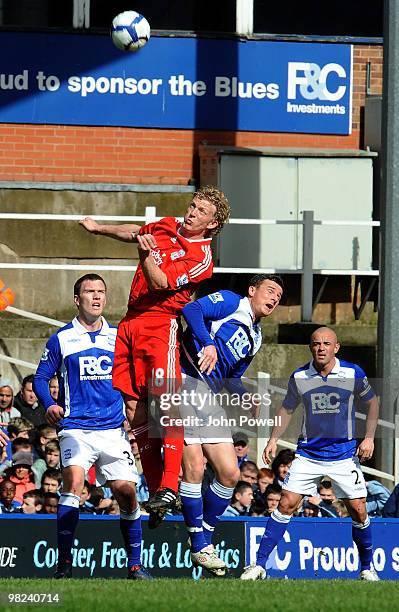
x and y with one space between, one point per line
361 534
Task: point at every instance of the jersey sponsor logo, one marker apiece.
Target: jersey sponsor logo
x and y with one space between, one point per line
95 368
325 403
157 257
45 355
239 344
182 280
216 297
177 254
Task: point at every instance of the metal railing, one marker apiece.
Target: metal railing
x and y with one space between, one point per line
307 270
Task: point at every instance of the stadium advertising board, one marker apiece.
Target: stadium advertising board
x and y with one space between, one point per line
323 548
28 548
176 83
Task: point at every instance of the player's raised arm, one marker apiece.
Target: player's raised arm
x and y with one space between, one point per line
126 232
366 447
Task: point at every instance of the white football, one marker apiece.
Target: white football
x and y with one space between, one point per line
130 31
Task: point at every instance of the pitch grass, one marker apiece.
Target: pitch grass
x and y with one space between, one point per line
230 595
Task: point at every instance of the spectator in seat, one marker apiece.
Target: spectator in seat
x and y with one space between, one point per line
50 503
51 481
85 507
32 502
391 508
241 447
18 427
51 460
7 409
273 496
281 464
8 505
377 497
20 473
241 500
265 477
249 472
26 402
54 388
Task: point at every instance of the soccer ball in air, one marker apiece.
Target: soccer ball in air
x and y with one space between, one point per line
130 31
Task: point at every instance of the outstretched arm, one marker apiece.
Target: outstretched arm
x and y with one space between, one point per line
126 232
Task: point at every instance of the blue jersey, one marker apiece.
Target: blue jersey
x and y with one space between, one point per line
83 363
225 320
328 430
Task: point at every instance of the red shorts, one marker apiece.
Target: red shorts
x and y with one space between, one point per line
147 360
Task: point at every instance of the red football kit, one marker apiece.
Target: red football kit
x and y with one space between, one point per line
147 345
148 341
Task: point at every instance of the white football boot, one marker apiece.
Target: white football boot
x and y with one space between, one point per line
253 572
369 574
208 559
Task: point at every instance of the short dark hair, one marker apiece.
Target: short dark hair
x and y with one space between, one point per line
273 489
27 379
258 279
22 442
50 495
52 473
87 277
240 487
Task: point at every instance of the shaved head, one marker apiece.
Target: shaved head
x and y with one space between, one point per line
324 346
325 331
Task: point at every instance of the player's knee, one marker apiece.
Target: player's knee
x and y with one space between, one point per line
229 476
287 505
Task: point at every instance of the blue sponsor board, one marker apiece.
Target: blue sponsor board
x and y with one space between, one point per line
323 548
176 83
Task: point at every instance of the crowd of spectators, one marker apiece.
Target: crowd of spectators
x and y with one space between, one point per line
30 471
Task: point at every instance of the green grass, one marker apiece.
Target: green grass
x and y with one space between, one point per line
206 595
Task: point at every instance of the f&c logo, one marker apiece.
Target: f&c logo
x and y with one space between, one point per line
313 81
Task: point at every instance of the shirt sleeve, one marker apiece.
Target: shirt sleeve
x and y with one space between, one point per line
211 307
292 398
363 390
49 364
234 384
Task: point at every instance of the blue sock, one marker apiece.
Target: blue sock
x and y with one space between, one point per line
361 534
191 497
67 520
130 525
275 529
216 500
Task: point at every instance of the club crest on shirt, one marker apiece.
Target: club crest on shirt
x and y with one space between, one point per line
177 254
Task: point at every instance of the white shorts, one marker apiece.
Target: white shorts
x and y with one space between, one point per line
109 450
205 422
346 476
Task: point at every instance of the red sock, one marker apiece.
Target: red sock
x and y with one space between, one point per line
173 441
150 448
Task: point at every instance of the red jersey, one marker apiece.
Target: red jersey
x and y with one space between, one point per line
185 262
